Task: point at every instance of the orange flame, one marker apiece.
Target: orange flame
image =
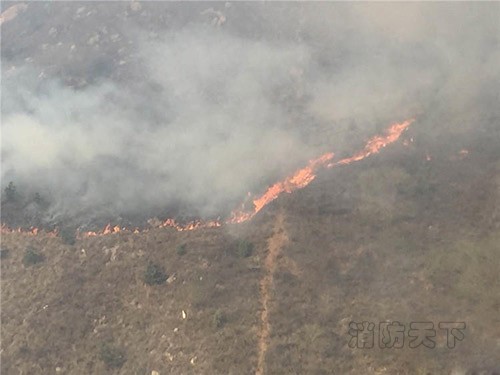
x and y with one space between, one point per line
33 231
306 175
375 144
298 180
171 223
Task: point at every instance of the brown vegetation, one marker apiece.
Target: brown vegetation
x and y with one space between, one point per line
392 238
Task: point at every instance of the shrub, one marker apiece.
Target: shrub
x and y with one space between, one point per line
10 192
181 249
154 274
111 356
31 257
40 201
4 253
219 319
244 248
68 235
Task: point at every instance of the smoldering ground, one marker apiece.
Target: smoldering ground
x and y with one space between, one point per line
187 113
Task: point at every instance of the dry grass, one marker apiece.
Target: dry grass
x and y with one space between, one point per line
60 312
413 242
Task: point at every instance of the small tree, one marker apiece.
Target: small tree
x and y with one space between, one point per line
4 253
181 249
244 248
37 198
10 192
68 235
154 274
40 201
111 356
31 257
219 319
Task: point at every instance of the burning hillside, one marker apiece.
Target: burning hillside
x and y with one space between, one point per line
298 180
249 188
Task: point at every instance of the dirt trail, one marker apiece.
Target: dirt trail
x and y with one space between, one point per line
274 246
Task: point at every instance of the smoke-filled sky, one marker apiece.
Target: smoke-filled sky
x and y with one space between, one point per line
124 108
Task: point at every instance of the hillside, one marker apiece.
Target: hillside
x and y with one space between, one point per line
326 255
229 188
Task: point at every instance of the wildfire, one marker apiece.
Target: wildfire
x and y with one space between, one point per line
305 176
33 231
375 144
298 180
171 223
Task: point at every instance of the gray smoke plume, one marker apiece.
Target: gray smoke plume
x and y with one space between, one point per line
152 107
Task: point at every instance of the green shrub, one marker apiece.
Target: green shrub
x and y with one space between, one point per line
68 235
181 249
154 274
219 319
4 253
111 356
244 248
31 257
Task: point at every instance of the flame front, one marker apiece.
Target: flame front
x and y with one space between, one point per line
33 231
305 176
298 180
375 144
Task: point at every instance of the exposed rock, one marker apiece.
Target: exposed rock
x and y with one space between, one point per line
171 279
169 356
